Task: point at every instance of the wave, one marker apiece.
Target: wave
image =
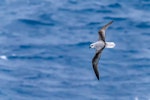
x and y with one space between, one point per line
143 25
35 22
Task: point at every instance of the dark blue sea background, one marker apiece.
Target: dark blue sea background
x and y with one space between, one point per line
45 55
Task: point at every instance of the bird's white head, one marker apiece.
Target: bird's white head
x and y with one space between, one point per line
92 45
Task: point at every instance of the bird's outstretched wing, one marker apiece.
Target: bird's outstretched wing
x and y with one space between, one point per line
101 32
95 61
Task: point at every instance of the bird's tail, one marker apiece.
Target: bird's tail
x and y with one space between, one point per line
110 44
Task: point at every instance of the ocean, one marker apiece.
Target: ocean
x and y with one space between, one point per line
45 55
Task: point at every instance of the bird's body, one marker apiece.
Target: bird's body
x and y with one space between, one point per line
99 46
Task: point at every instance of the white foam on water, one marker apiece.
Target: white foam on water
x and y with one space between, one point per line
3 57
136 98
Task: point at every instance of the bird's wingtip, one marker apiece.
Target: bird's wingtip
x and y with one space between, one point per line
97 77
111 21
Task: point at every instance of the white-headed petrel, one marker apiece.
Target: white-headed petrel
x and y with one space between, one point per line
99 46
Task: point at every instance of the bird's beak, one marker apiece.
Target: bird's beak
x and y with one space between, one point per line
89 47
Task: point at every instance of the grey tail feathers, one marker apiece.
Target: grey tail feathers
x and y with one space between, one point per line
110 44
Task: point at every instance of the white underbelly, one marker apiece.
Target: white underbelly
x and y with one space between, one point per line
99 45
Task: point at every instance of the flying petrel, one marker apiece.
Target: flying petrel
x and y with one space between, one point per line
99 46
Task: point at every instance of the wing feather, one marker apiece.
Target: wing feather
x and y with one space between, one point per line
95 61
101 32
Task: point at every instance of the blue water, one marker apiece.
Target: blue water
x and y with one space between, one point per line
45 55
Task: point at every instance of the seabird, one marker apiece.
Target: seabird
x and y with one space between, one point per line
99 46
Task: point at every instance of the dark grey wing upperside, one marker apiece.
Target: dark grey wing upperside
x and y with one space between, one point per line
95 61
101 32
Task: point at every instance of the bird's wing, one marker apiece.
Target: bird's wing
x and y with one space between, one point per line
95 61
101 32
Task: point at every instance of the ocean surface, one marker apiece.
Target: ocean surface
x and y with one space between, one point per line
45 55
